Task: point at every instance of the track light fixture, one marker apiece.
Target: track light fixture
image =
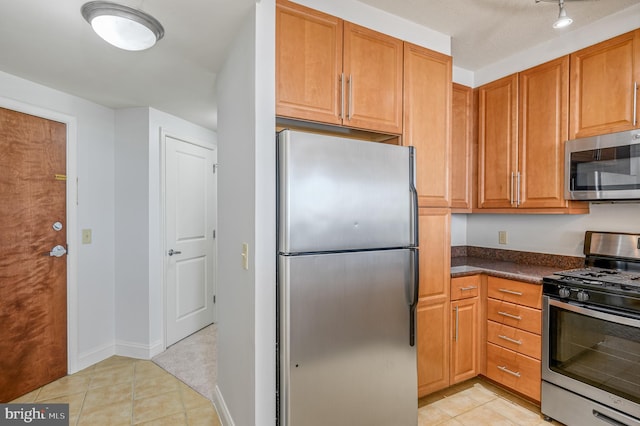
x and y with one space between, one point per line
563 19
122 26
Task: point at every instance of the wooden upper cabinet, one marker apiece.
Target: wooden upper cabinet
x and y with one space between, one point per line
497 137
427 121
372 66
461 148
308 64
543 128
604 86
331 71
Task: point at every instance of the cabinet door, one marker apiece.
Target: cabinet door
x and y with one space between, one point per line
461 147
427 106
497 137
434 303
464 339
372 65
308 64
604 80
543 128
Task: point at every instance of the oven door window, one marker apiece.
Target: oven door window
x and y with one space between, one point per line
600 353
606 169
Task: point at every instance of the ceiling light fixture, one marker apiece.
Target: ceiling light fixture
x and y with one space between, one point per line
563 20
122 26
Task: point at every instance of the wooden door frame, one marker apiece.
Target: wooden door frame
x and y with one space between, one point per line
71 220
164 134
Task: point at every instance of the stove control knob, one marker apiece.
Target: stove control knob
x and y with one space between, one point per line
583 296
564 292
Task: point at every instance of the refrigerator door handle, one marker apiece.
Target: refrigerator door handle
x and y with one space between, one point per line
414 195
414 294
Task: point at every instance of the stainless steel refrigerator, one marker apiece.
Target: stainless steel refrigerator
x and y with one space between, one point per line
347 282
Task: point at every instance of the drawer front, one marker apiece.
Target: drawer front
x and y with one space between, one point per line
465 287
513 315
518 372
515 339
515 292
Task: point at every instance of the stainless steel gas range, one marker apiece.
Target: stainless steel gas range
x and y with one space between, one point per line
591 335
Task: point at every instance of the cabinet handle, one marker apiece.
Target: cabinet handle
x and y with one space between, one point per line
506 370
471 287
455 338
506 290
517 189
635 103
508 315
509 339
350 106
511 194
341 96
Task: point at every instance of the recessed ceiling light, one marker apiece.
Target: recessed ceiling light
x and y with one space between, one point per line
122 26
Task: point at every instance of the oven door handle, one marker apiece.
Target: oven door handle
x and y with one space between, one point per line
598 312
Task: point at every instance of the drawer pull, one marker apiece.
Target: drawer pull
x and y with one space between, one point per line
506 370
506 290
508 315
509 339
471 287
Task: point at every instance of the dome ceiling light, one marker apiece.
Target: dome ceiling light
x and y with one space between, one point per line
122 26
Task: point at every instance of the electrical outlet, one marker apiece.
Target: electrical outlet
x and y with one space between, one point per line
502 237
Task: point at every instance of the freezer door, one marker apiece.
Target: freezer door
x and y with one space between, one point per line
342 194
345 352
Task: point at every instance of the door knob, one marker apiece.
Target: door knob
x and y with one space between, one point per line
171 252
58 251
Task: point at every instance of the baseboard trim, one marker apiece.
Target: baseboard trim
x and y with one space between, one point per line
87 359
221 408
137 350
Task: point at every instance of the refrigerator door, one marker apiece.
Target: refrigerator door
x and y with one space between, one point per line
345 351
343 194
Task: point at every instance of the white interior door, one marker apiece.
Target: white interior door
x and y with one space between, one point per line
190 217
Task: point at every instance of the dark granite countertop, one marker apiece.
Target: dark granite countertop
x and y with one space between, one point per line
516 265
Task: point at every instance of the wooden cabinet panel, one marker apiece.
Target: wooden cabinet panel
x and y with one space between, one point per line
603 86
528 319
465 287
516 371
427 106
461 147
515 292
372 65
435 253
308 63
526 343
497 136
465 336
543 127
433 347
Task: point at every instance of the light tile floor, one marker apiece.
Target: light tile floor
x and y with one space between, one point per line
126 391
477 402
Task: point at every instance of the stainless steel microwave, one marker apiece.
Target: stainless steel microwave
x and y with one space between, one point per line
605 167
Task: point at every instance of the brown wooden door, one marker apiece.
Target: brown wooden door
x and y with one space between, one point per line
427 115
461 147
543 129
604 80
372 64
465 336
308 64
497 142
33 287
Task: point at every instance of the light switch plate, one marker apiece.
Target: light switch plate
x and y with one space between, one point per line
86 236
245 256
502 237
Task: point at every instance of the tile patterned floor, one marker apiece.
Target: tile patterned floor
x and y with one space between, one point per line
126 391
478 403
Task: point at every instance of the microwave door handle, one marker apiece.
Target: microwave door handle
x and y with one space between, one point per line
635 104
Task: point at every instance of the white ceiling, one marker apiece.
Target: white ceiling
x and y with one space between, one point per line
48 41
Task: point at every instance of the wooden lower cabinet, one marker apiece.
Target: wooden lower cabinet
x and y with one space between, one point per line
433 347
465 339
514 370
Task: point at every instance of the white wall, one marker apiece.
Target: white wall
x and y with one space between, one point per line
379 20
139 268
95 210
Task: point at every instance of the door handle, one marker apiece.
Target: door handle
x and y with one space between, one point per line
171 252
57 251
